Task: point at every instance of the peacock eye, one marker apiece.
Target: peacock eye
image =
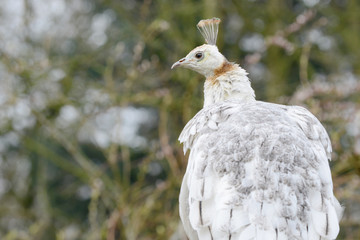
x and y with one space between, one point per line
199 55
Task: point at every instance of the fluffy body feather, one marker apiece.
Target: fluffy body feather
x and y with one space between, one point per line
256 170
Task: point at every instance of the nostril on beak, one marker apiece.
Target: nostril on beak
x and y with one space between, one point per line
178 63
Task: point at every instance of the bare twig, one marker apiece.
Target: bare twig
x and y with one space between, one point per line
304 63
279 38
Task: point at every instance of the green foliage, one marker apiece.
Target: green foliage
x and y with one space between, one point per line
90 111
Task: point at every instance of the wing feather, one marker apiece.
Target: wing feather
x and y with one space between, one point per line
259 171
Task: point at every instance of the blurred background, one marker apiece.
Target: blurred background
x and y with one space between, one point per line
90 111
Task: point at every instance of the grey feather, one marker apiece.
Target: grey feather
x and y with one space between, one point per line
266 161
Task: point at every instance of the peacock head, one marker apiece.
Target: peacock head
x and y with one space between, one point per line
206 58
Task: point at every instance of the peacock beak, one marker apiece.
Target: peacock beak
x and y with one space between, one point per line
178 63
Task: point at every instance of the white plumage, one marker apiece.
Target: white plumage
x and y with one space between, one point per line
256 170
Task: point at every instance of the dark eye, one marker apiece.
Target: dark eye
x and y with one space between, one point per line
199 55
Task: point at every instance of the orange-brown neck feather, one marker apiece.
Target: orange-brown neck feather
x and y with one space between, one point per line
224 68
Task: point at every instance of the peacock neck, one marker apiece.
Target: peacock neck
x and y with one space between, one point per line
229 82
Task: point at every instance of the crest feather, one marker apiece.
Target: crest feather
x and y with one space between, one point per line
209 29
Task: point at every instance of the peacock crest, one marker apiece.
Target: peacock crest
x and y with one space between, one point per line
209 29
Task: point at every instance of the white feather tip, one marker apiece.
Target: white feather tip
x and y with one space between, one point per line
209 29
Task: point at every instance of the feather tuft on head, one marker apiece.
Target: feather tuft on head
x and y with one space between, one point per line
209 29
